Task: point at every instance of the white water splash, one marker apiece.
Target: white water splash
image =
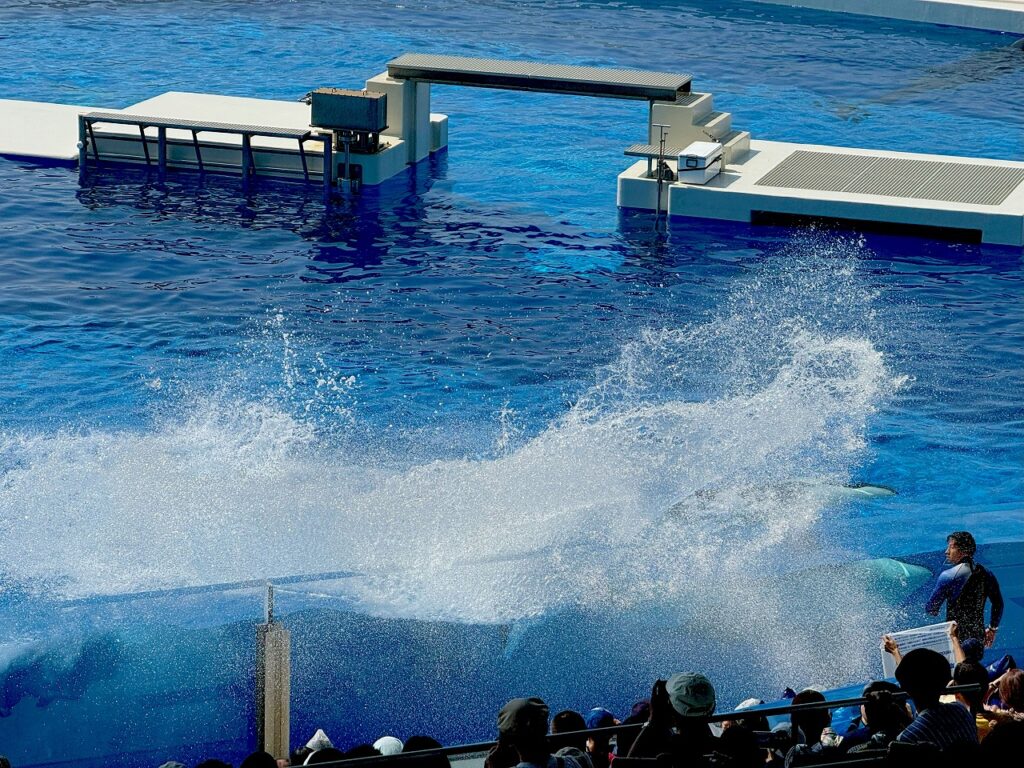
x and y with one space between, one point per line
774 389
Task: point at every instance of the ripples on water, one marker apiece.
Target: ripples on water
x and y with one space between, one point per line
485 344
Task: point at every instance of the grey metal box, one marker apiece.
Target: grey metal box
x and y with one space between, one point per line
342 109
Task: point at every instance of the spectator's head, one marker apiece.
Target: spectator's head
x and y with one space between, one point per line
420 743
971 673
570 721
259 760
740 745
362 750
325 755
1011 690
750 722
388 745
692 697
639 713
319 740
213 764
960 546
1002 745
811 722
923 674
523 723
298 756
882 712
5 763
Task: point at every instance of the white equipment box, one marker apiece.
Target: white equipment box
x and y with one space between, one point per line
700 162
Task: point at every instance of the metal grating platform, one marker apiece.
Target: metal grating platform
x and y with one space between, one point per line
953 182
535 76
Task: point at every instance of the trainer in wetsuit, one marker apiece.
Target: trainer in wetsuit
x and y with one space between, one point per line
964 588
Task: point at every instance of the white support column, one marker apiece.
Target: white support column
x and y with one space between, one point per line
408 113
273 683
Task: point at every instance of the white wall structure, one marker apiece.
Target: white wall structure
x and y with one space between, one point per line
995 15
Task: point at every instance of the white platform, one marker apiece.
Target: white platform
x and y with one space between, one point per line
995 15
736 194
38 130
50 132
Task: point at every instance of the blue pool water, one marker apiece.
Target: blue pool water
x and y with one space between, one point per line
481 385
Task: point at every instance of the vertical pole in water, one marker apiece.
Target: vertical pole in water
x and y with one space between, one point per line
273 682
328 139
83 148
660 171
161 153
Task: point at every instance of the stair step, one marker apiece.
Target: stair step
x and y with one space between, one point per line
735 145
700 104
715 124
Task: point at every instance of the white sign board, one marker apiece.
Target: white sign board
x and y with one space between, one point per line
934 636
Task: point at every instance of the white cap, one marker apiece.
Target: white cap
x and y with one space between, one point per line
388 745
319 741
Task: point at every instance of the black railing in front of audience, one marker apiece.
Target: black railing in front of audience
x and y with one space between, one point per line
561 739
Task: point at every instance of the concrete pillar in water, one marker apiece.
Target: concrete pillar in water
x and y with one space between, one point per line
273 683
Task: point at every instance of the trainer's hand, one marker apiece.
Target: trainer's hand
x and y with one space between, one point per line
889 645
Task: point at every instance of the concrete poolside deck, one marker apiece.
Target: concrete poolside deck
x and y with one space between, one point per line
984 199
993 15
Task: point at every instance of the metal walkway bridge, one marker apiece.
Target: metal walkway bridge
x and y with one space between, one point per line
534 76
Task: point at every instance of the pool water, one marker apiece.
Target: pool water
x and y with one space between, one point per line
480 385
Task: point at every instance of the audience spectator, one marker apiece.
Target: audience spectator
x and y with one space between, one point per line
570 721
281 762
362 750
884 717
388 745
808 725
923 674
298 756
318 740
259 760
213 764
637 716
740 748
1003 744
599 747
523 725
973 673
676 723
5 763
1010 688
423 743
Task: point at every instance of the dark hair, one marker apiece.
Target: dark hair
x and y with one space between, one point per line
1002 745
813 722
1011 690
964 542
420 743
4 762
884 713
568 721
214 764
625 739
923 673
362 750
298 756
972 673
259 760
